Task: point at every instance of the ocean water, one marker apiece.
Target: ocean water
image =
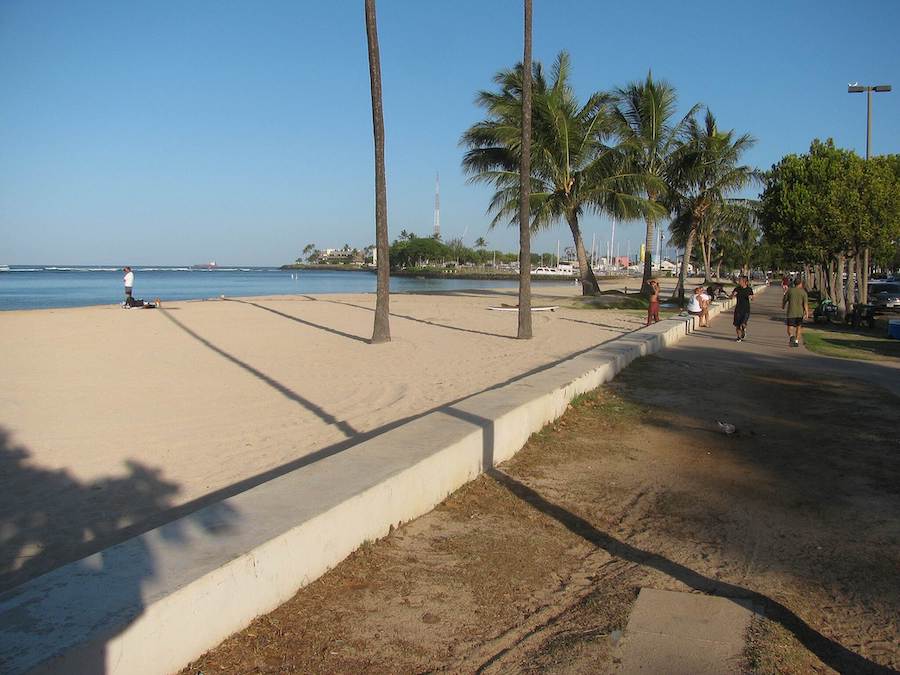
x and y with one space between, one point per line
46 286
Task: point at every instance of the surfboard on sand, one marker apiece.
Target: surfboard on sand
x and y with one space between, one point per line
515 308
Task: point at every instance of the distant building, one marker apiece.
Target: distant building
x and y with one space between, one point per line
339 256
666 266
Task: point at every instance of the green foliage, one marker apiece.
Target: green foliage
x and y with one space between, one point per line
881 193
573 168
830 201
706 172
573 171
418 252
410 252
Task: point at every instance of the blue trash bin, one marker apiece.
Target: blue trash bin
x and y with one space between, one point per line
894 329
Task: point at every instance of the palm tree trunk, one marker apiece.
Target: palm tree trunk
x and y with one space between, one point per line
524 329
589 285
382 329
682 273
650 240
706 249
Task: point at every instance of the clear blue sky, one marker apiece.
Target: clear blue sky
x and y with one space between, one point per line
172 132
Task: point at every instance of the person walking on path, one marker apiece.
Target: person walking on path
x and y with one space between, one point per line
653 307
796 304
129 284
785 283
744 295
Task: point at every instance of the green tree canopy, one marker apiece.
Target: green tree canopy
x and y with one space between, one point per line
573 170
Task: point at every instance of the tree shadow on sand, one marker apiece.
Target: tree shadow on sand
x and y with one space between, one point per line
49 518
426 322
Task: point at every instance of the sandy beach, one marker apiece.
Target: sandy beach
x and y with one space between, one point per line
113 421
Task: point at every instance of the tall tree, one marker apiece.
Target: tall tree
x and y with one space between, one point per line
706 173
572 172
825 207
524 328
643 118
382 328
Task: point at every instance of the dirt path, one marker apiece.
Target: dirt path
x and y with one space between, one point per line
534 568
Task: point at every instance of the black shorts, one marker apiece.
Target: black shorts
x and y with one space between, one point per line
741 317
794 321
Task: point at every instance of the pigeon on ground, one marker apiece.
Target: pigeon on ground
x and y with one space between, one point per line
726 428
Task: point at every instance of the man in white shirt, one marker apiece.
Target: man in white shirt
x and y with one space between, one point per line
129 284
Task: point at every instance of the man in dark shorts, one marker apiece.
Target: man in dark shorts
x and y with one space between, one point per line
796 305
744 295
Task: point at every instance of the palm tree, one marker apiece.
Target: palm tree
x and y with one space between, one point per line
573 171
727 229
743 233
524 331
381 331
643 120
704 175
480 243
309 252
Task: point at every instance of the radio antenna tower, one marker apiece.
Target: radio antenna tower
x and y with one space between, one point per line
437 206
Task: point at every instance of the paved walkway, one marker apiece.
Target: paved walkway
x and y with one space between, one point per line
767 346
687 633
695 633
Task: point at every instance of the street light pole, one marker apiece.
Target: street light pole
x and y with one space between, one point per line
868 89
858 89
868 121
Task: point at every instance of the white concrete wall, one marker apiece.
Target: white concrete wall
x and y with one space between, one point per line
153 603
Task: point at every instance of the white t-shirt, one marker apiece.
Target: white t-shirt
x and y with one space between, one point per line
694 304
129 279
705 297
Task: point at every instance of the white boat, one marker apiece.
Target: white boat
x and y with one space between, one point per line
4 268
563 270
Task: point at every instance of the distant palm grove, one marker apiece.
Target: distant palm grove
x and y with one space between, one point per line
624 153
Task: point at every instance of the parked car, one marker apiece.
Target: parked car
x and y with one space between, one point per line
885 294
